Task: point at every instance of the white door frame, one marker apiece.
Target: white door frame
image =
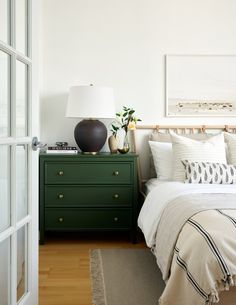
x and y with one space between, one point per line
33 283
31 220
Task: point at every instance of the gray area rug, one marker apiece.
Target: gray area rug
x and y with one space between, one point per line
125 277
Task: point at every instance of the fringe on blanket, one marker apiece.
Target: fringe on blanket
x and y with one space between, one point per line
223 285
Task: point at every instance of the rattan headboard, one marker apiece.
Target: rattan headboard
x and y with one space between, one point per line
180 129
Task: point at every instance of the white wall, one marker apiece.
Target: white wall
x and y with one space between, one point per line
122 43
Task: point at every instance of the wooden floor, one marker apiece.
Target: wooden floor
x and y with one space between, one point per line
64 277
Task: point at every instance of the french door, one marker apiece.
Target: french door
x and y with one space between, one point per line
18 162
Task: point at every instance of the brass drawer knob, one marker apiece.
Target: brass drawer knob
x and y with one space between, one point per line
116 218
116 173
60 173
116 196
60 196
60 219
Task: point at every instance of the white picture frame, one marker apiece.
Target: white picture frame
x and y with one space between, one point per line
200 85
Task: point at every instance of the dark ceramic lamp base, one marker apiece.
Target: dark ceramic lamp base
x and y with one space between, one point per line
90 135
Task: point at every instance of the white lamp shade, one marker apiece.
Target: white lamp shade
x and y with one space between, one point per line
90 102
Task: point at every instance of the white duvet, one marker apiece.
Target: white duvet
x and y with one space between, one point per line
165 192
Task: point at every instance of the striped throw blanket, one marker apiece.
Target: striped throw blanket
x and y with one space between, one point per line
196 248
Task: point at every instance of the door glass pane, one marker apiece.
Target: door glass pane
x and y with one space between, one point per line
4 93
21 26
4 20
21 99
21 262
4 187
21 181
5 272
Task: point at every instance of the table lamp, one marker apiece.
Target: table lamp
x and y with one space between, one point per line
90 103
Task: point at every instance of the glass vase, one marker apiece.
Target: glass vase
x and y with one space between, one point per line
126 145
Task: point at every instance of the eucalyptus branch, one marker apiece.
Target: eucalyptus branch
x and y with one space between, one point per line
124 120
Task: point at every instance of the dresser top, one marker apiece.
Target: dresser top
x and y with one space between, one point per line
102 155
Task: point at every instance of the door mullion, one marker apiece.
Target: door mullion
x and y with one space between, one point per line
29 101
12 23
29 28
9 99
6 234
26 258
13 269
13 286
13 161
13 187
13 224
13 96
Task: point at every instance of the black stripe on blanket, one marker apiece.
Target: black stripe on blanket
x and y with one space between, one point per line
227 216
213 247
190 277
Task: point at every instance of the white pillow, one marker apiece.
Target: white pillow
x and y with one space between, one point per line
163 159
211 150
231 143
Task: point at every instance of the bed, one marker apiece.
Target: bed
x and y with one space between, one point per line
191 229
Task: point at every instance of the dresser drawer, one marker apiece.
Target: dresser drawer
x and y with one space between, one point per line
84 219
85 195
84 173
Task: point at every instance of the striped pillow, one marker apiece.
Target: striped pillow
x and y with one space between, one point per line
230 139
210 150
166 137
212 173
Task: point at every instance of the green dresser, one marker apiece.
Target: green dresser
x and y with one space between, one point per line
88 192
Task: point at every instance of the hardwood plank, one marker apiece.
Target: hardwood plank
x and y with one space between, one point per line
64 276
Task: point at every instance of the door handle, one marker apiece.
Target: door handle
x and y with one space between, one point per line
36 144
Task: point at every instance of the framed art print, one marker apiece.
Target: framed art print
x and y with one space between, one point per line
200 85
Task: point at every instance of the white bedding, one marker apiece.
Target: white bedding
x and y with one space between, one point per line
151 184
165 192
169 203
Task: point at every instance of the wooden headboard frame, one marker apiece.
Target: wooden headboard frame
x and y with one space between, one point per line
180 129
